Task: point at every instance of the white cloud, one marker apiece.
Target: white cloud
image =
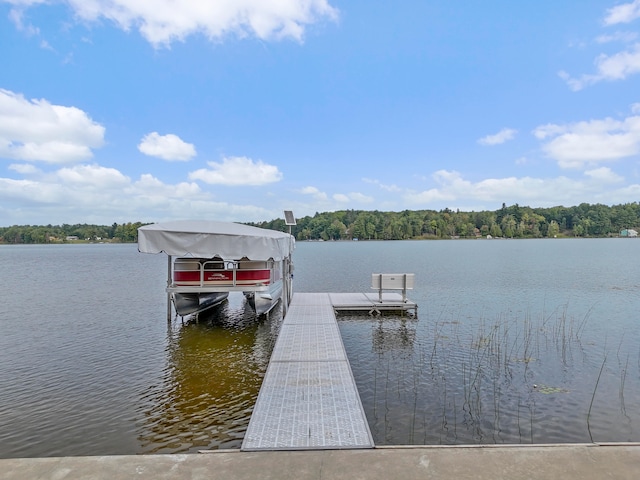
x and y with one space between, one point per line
31 193
162 22
383 186
235 171
625 13
17 16
352 197
604 175
36 130
24 168
453 189
150 189
45 46
550 130
360 197
591 142
96 194
502 136
635 107
94 176
314 192
168 147
625 37
341 198
618 66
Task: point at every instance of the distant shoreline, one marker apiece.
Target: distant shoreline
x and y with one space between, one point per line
562 237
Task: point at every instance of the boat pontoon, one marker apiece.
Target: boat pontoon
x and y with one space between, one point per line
208 260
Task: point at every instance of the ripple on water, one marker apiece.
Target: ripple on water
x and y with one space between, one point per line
210 383
503 381
89 365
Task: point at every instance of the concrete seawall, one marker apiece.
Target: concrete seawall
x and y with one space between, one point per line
567 462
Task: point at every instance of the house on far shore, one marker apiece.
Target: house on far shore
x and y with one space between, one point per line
71 238
628 232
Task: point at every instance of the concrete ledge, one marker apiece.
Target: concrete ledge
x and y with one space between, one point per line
584 462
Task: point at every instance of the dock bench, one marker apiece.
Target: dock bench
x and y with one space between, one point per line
392 281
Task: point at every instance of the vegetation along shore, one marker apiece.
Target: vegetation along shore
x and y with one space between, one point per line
515 221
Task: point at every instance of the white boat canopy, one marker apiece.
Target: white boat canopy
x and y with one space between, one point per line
206 239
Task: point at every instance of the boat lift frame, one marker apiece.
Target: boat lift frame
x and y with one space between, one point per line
287 283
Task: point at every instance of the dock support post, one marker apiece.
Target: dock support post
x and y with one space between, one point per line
286 290
168 284
404 288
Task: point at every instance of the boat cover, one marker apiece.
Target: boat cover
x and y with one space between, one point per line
205 239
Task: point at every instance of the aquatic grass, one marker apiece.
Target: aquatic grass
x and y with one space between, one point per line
583 324
472 380
595 389
623 378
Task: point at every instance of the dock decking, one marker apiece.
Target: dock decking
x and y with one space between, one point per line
308 397
370 302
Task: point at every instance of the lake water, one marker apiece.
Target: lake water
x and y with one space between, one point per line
516 341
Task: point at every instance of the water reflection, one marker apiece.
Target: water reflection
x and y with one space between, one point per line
213 372
511 379
84 374
394 334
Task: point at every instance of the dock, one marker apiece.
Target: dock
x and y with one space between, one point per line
372 303
383 300
308 398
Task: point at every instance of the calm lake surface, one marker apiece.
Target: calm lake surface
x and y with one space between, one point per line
516 341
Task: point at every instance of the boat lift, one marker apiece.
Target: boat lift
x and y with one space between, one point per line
232 242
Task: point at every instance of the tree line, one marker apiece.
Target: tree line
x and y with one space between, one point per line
27 234
515 221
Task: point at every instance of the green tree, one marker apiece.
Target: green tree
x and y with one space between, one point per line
508 225
337 230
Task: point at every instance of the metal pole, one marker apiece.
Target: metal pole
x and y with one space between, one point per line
404 288
168 284
285 290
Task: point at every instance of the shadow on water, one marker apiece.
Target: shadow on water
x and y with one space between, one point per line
213 372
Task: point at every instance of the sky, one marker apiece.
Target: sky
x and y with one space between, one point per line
235 110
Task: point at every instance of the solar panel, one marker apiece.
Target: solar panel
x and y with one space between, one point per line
289 219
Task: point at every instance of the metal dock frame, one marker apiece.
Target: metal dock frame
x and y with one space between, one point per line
308 398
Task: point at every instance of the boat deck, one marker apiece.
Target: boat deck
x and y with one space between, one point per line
309 397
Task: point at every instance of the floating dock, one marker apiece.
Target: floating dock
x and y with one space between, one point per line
373 303
309 398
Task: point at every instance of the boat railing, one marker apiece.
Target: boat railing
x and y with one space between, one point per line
201 273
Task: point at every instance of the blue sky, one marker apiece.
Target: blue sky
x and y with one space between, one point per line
150 110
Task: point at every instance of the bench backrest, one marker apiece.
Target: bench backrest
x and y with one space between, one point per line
392 281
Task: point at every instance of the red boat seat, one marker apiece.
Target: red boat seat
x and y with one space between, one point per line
186 272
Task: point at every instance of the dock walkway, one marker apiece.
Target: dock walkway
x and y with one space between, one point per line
308 397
